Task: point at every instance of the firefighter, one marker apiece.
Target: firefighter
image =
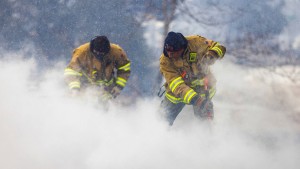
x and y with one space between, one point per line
100 64
185 65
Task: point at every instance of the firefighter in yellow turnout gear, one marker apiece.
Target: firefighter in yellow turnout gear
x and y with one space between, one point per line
99 64
185 65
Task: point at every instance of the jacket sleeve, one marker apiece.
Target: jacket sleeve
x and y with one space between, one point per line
72 73
216 49
122 64
175 82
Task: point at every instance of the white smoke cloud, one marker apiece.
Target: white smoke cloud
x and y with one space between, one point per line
41 127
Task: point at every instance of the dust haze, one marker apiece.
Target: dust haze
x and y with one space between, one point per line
255 125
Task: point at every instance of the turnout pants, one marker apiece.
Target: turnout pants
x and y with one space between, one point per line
171 110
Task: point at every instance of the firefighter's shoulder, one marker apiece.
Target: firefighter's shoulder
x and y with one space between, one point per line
195 38
117 51
116 47
81 50
164 60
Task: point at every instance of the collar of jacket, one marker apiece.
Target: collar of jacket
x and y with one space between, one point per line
182 56
105 57
185 51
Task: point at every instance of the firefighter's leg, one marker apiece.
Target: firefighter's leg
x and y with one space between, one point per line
207 112
170 110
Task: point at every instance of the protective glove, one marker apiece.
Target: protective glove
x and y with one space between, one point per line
210 57
197 100
115 91
104 97
203 107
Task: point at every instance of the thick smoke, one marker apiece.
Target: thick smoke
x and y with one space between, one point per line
41 127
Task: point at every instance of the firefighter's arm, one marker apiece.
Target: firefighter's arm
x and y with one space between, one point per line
122 64
72 72
215 50
176 83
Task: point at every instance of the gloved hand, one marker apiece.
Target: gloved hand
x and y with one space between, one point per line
197 100
105 96
205 110
115 91
210 57
203 107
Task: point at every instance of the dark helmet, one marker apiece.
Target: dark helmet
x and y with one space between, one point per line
174 42
100 46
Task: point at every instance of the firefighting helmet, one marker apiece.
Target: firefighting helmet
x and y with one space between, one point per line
99 46
174 42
